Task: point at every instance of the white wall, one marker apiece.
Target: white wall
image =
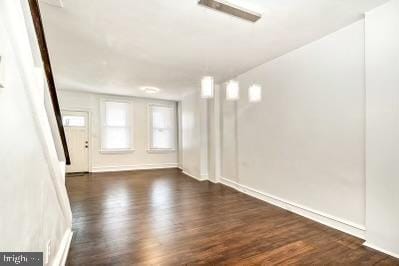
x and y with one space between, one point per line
191 134
33 200
200 136
204 139
229 139
180 135
304 143
382 84
138 159
304 147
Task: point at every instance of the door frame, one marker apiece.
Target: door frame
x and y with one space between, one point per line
89 131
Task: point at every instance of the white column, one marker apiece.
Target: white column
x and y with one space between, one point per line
214 137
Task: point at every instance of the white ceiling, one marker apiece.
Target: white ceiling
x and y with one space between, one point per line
116 46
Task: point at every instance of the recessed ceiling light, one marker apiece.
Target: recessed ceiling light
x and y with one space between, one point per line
150 90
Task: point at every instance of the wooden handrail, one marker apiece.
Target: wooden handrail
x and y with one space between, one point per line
37 21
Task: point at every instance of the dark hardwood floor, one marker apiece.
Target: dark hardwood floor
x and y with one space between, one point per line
163 217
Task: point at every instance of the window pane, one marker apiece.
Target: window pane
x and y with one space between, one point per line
162 139
73 121
162 122
117 127
116 114
158 119
162 117
116 138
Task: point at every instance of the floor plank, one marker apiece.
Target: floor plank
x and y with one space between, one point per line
163 217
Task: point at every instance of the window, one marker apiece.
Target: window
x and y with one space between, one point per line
73 121
116 133
162 127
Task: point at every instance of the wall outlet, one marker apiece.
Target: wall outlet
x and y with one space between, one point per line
48 252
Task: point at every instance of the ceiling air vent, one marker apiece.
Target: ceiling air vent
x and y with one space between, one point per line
231 9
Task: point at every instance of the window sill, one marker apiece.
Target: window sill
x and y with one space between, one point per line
117 151
161 150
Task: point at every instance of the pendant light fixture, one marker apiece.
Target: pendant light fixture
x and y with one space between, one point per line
255 93
207 87
233 91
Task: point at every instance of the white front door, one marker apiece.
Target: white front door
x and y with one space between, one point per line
77 135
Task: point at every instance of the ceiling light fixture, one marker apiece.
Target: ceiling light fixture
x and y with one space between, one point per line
255 93
231 9
56 3
150 90
232 90
207 87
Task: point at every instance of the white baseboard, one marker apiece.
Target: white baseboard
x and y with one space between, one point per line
202 178
213 181
62 253
370 245
118 168
326 219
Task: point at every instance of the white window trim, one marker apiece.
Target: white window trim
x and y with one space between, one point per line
149 131
130 118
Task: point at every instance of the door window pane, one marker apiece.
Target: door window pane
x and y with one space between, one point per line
73 121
